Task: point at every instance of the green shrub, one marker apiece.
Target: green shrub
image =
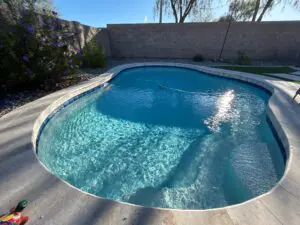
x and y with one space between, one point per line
242 58
198 58
93 55
34 50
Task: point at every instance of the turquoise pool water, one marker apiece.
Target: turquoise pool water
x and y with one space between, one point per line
166 137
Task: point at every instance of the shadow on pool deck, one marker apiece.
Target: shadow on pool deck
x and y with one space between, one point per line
69 205
54 202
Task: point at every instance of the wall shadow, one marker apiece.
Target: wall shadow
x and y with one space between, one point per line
151 105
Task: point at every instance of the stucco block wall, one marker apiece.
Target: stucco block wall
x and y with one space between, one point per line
102 37
268 41
260 41
87 33
265 41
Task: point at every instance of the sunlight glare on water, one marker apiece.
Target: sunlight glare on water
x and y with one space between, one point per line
166 137
224 111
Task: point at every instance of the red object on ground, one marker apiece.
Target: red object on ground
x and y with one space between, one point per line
14 217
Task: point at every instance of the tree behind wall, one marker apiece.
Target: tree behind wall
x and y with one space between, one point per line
182 9
255 10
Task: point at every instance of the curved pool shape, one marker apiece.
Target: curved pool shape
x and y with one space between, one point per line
166 137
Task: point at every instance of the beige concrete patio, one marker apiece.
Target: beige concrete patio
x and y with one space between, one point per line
53 201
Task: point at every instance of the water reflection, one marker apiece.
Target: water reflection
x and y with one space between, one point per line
223 107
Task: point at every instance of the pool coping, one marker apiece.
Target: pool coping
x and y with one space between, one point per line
262 207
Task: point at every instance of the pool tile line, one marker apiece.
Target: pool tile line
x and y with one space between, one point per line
245 77
190 217
63 106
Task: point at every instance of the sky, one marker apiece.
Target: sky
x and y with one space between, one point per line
98 13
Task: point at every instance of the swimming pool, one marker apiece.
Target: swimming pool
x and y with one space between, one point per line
166 137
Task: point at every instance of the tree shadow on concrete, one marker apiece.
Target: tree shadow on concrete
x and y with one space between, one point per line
142 216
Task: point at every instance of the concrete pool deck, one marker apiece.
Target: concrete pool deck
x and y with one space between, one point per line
53 201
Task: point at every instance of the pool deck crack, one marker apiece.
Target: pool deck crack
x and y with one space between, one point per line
231 220
270 211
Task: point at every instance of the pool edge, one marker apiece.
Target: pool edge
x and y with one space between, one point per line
281 128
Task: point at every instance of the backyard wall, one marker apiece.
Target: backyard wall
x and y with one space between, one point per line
269 41
86 33
260 41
